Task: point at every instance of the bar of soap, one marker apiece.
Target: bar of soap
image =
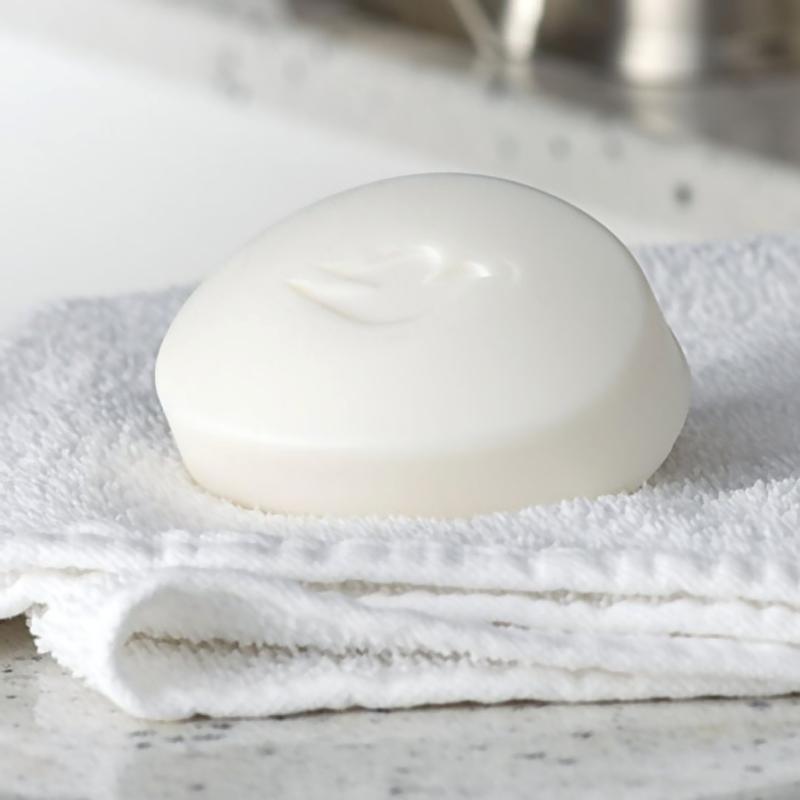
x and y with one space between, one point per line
437 345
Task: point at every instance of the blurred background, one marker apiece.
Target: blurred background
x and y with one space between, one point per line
142 141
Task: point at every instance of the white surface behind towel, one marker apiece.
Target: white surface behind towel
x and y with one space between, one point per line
172 602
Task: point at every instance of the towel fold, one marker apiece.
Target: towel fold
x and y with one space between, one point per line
173 602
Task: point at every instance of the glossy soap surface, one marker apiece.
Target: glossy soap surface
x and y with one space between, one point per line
430 345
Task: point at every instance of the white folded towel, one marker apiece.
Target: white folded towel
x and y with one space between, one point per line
172 602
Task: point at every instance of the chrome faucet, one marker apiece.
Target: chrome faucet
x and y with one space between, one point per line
641 41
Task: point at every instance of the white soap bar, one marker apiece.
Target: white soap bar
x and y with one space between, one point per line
430 345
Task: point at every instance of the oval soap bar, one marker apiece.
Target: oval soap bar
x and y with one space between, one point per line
437 344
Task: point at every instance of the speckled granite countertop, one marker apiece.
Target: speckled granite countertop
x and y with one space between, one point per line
61 741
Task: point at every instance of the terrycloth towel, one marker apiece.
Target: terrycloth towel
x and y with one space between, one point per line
172 602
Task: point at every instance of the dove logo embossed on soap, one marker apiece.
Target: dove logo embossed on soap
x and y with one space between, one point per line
395 285
433 345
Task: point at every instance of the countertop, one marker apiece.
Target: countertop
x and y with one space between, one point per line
149 167
59 740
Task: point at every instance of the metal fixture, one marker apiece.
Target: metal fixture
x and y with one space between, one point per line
642 41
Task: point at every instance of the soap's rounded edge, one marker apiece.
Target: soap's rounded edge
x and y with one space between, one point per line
411 178
678 406
442 487
160 382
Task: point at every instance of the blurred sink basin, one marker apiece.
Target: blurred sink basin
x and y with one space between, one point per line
113 181
141 143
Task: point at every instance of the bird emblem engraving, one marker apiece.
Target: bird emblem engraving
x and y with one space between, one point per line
393 286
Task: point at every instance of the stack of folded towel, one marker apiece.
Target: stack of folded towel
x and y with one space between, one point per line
173 602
